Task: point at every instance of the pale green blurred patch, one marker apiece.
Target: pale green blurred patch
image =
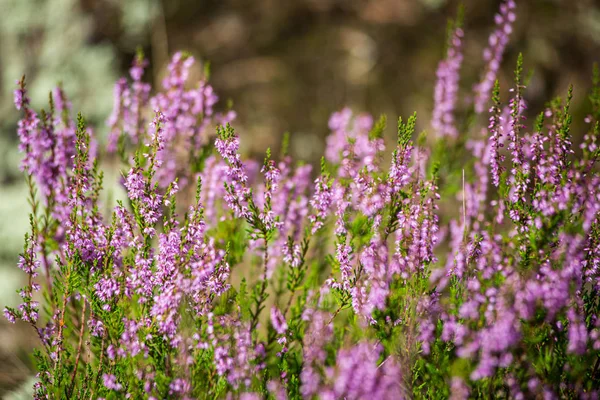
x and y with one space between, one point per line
49 41
52 42
14 214
24 392
14 339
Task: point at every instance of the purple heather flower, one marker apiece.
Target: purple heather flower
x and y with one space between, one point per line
272 175
179 70
135 184
493 53
234 353
10 315
106 289
179 386
278 321
459 390
446 88
110 382
48 144
213 176
277 390
290 202
344 257
292 254
96 327
496 131
189 116
129 102
130 343
137 68
515 143
148 201
358 374
400 174
20 95
250 396
157 131
377 278
321 201
350 145
336 142
318 334
577 333
238 194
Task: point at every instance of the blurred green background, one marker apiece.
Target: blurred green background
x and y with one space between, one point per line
285 65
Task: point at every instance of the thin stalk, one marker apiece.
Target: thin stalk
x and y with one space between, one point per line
100 365
263 288
79 345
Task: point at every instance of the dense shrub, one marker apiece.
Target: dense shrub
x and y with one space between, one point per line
464 264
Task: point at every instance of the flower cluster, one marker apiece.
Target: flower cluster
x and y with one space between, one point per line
494 52
189 116
377 277
446 88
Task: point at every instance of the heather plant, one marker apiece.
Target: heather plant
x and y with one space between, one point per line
461 263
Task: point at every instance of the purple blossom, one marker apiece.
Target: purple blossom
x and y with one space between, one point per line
20 95
321 201
179 386
359 375
110 382
10 315
495 128
189 115
237 193
292 254
578 335
459 390
318 333
278 321
234 353
127 117
96 327
399 175
493 54
106 289
344 258
446 88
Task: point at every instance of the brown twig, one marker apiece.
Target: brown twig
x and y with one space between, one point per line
263 290
61 323
340 308
78 356
100 365
289 302
301 267
47 270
